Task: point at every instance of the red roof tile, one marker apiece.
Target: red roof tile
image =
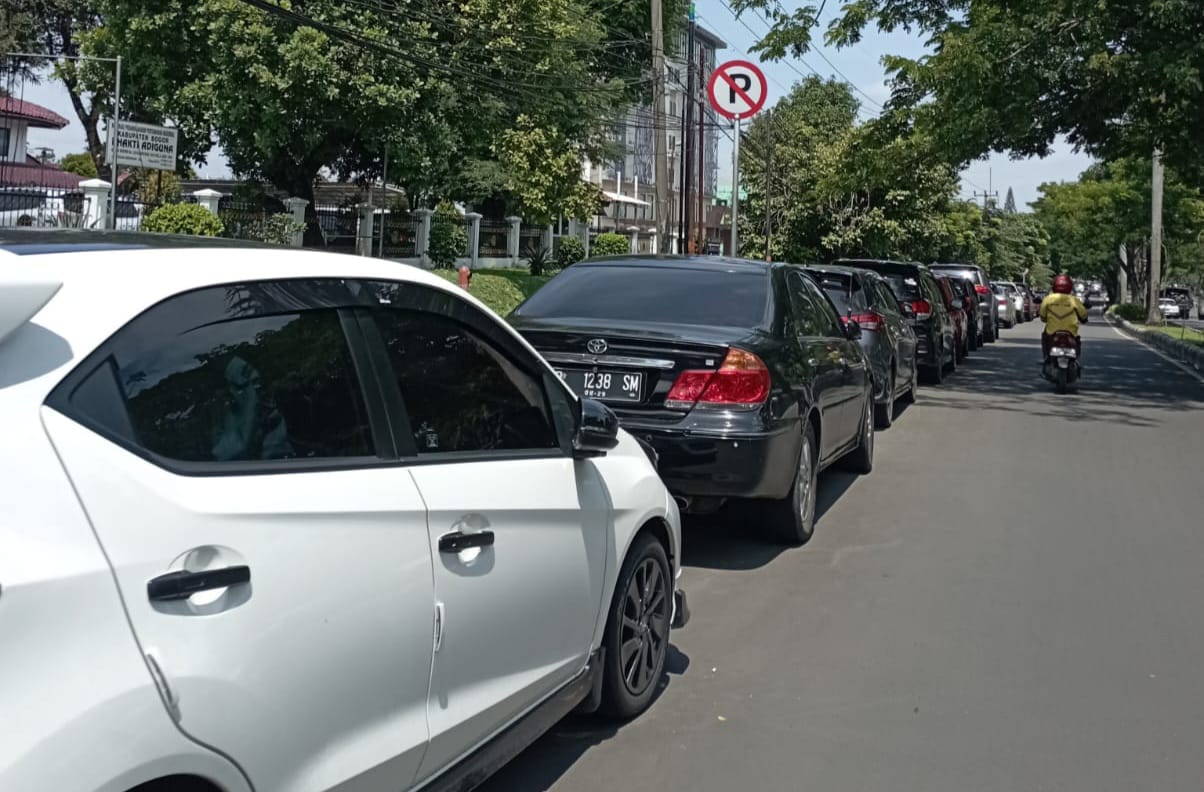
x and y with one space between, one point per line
35 114
23 174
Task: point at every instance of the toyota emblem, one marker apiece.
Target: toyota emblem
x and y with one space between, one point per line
596 346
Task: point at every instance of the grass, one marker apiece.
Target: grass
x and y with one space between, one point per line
500 289
1189 335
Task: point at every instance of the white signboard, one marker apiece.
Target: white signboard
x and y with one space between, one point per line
146 146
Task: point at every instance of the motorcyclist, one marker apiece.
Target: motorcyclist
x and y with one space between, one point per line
1062 311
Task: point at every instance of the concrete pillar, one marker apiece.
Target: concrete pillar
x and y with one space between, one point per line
422 239
96 203
474 238
296 208
655 236
633 232
363 229
208 199
513 237
546 240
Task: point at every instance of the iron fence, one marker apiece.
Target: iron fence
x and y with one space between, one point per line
495 239
529 238
240 218
338 226
400 230
58 207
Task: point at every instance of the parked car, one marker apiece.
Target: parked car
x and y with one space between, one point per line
1005 301
887 337
1182 297
988 323
961 323
738 373
315 521
1031 304
922 302
1169 308
964 294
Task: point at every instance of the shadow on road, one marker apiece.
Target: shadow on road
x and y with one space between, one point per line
732 539
551 756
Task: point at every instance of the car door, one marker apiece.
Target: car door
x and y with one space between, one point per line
901 333
821 355
518 528
856 376
273 558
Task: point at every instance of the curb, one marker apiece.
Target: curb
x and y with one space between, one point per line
1187 354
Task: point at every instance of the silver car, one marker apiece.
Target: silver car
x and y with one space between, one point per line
1006 299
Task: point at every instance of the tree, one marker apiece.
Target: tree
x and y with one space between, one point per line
543 170
1091 221
79 164
1116 77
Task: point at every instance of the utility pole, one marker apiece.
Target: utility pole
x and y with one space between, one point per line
687 127
702 121
660 129
768 184
1155 239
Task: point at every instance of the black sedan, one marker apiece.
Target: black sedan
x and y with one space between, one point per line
886 335
738 373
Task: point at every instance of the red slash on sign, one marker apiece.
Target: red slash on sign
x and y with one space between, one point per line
737 89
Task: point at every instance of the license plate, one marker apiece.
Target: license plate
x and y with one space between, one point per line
625 386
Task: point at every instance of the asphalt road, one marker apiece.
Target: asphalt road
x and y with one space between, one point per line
1013 600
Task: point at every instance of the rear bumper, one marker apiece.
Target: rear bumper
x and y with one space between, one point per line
746 465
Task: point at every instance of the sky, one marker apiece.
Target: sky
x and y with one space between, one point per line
859 65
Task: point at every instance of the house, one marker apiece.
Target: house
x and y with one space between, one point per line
17 168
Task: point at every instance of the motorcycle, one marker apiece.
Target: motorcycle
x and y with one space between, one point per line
1062 366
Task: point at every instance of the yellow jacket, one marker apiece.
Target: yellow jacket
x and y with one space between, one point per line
1062 312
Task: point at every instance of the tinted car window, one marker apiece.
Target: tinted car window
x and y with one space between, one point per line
640 292
828 319
806 312
460 392
845 291
256 388
905 286
967 273
883 299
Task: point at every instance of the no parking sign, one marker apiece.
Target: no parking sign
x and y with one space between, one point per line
737 90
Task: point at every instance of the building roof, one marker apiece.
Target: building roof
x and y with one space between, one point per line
33 114
709 37
32 173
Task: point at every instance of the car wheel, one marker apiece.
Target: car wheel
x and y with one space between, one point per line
884 414
953 358
861 460
792 519
637 631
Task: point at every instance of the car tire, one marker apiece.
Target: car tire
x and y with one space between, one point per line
953 359
792 519
884 414
861 459
640 611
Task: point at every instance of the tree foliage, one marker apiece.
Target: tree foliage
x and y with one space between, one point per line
449 239
610 245
1116 77
80 164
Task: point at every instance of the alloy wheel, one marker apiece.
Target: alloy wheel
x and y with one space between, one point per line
806 485
643 638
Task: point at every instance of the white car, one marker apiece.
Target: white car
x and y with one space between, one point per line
1169 308
294 521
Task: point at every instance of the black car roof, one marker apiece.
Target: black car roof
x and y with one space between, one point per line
839 269
34 241
882 265
722 263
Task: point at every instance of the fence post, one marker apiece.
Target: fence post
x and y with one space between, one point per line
96 202
363 229
208 199
513 239
634 233
474 238
296 207
545 240
422 239
654 237
585 237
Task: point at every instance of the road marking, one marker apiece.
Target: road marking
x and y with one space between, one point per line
1181 366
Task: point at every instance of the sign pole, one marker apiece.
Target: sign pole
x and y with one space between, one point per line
113 170
736 187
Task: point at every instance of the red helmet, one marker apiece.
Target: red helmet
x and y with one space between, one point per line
1063 284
